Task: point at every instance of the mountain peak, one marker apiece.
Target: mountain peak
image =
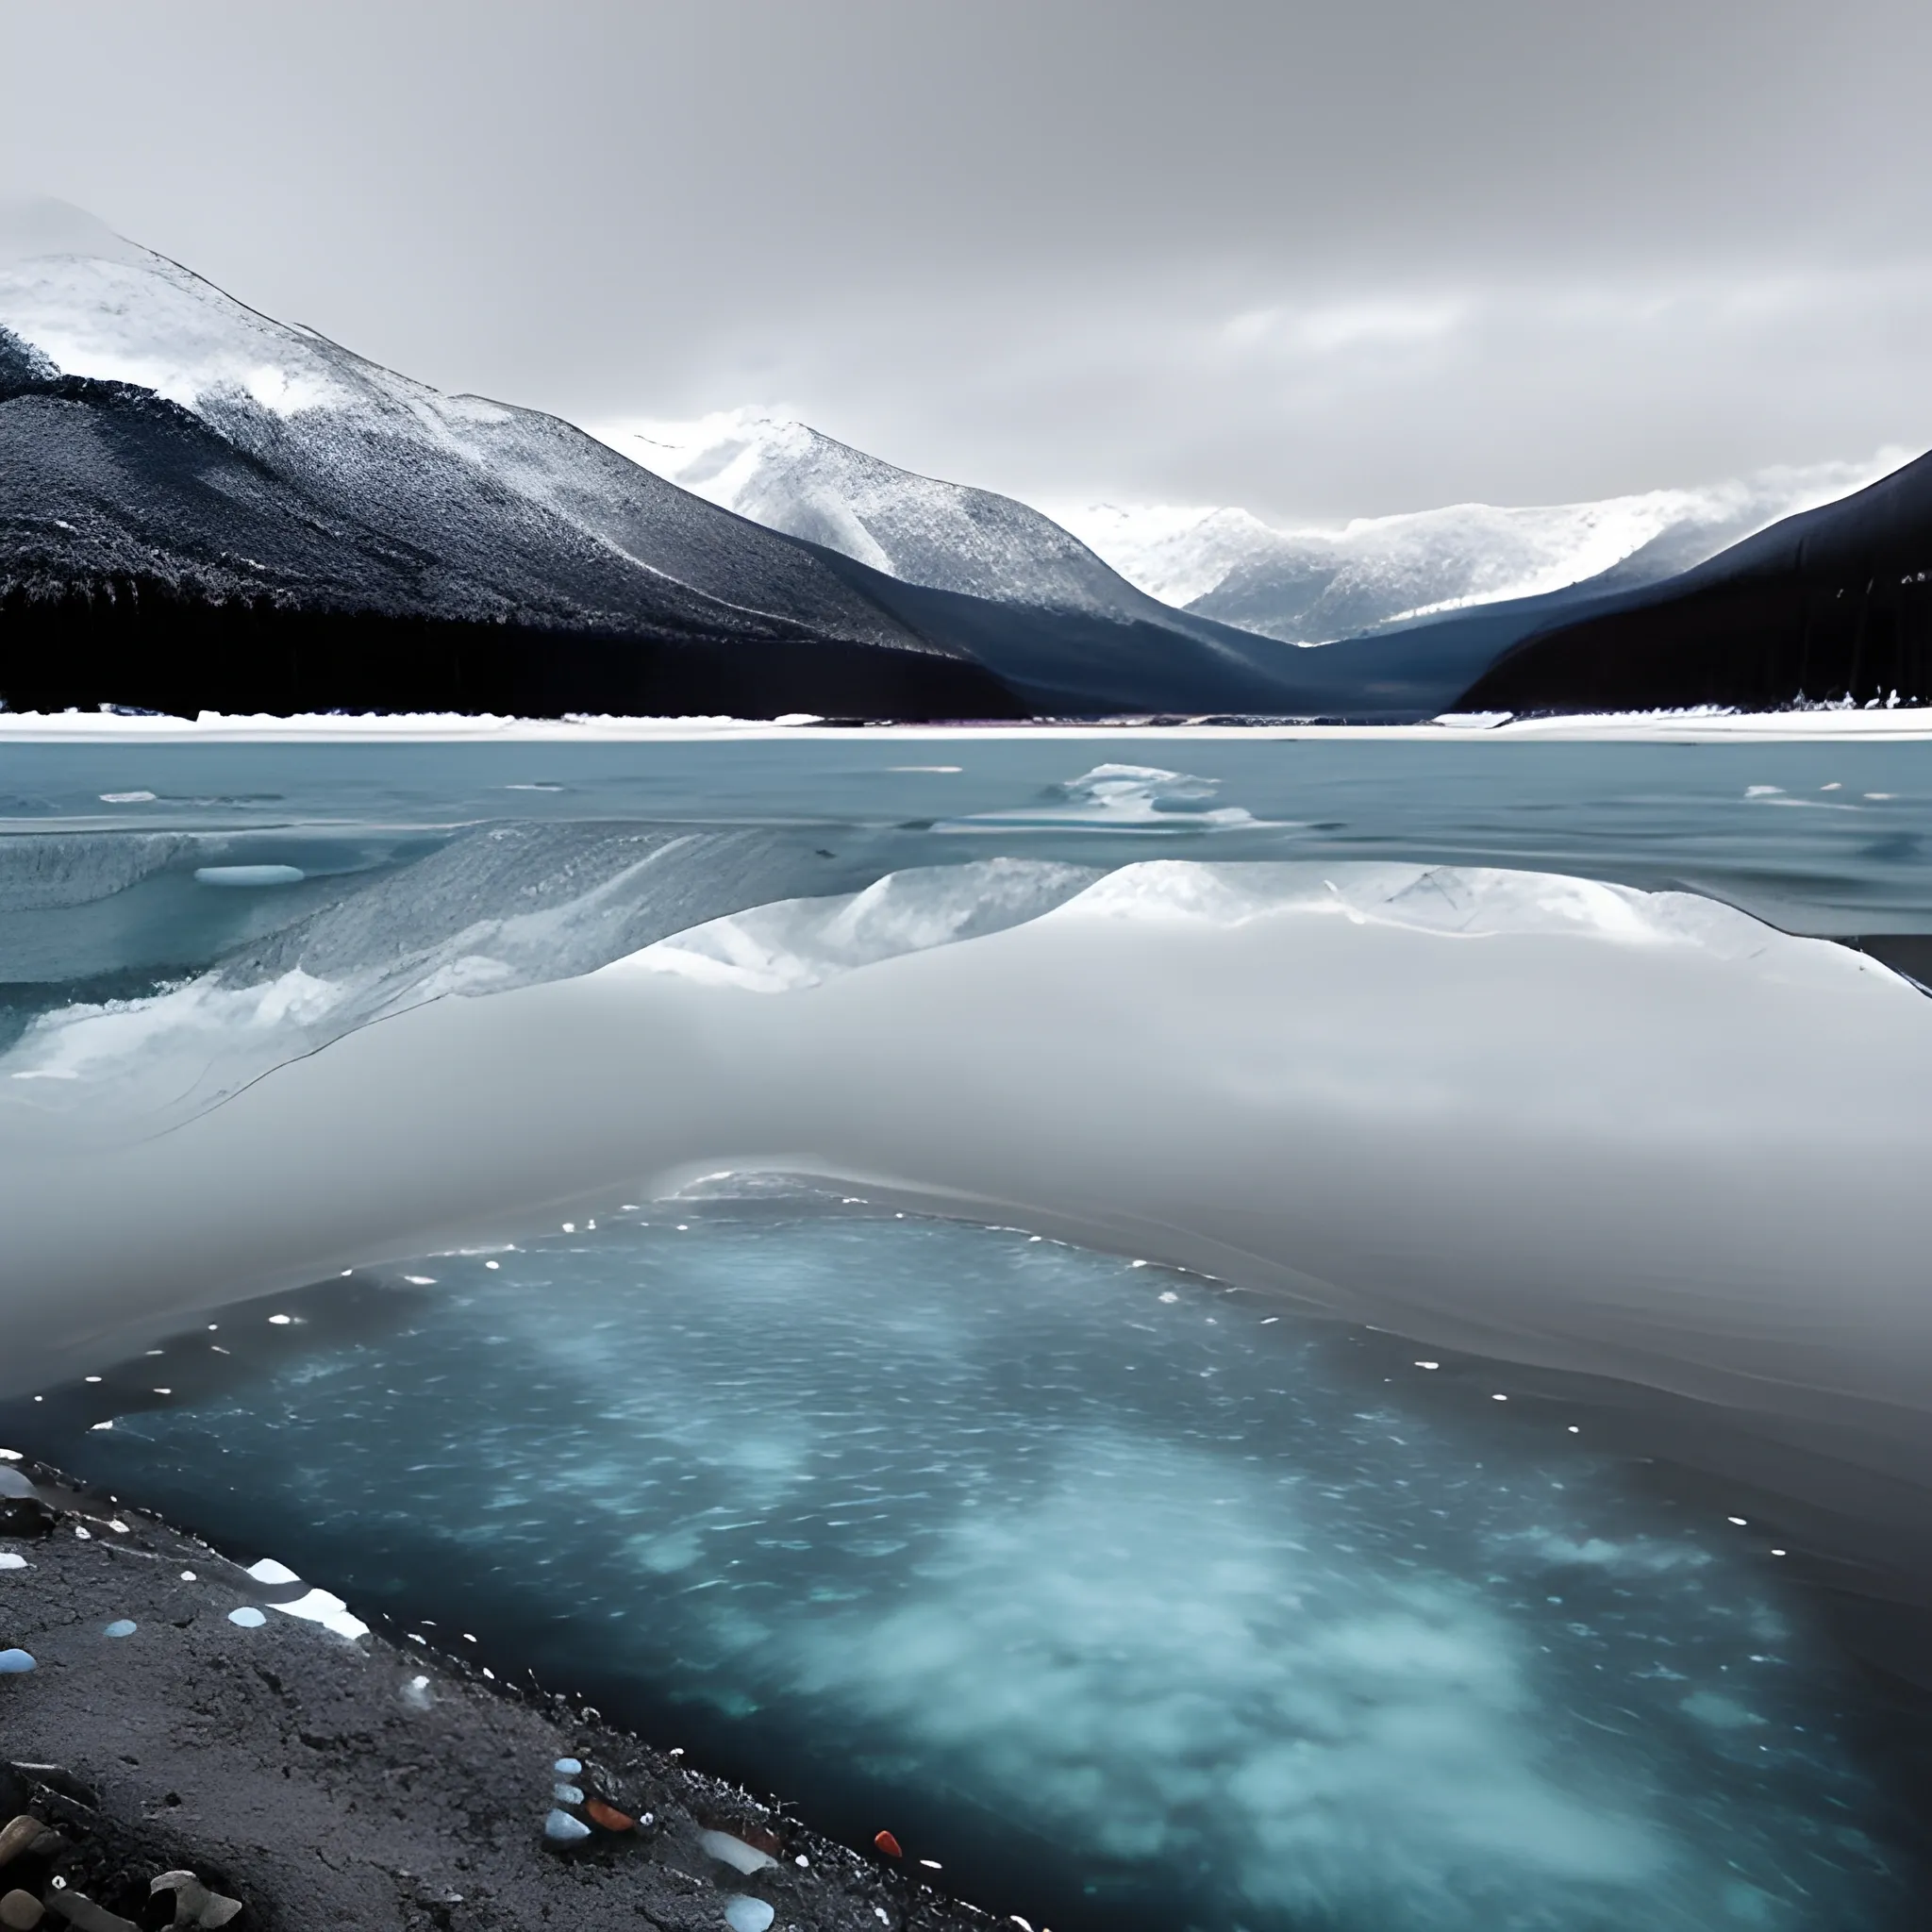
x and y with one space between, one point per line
946 536
35 226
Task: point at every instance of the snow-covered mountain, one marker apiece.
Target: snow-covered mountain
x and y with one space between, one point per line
790 477
183 479
1311 586
1301 586
202 506
505 512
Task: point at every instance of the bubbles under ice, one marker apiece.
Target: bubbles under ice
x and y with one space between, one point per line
1110 1580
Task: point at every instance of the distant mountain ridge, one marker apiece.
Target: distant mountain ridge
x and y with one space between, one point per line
1313 586
1299 586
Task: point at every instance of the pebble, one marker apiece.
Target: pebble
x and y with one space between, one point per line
560 1828
23 1510
567 1767
248 1617
16 1835
15 1663
735 1852
21 1911
194 1904
744 1914
11 1560
120 1626
888 1845
82 1912
567 1794
607 1817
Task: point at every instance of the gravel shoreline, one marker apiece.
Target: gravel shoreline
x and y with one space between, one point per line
325 1781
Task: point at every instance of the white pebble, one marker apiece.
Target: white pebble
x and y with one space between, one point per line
734 1852
248 1617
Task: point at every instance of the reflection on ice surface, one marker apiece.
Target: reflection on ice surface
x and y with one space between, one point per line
1133 1601
1554 1119
251 974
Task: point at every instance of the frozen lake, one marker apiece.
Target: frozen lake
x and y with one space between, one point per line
1126 1598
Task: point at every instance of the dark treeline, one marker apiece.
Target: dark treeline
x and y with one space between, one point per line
1832 603
1755 644
144 643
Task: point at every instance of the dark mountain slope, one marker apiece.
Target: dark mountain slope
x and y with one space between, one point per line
201 505
145 559
1071 663
1832 605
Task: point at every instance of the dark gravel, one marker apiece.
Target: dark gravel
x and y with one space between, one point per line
324 1785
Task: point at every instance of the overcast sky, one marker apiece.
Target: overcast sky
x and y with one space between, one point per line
1319 260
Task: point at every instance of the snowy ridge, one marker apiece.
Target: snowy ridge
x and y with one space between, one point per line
479 509
1309 586
1303 586
946 536
153 428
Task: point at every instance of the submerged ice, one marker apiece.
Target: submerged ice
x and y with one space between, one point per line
1134 1602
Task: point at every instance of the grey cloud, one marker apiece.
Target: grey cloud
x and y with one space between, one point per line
1320 260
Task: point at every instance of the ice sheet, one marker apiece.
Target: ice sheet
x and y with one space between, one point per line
1562 1123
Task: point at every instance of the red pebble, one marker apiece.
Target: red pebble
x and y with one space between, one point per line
888 1845
607 1816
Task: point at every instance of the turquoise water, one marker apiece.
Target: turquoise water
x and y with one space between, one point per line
1834 829
1131 1600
